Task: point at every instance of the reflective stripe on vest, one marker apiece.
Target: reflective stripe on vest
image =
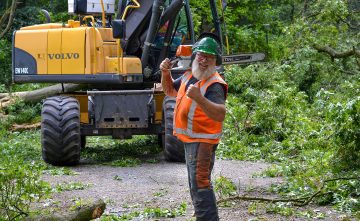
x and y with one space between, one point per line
197 135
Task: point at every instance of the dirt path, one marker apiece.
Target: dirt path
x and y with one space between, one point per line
164 185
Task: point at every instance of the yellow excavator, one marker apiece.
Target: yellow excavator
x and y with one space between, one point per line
118 58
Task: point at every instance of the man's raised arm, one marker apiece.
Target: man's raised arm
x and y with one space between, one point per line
166 79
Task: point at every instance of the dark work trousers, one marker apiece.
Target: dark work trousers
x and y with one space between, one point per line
200 159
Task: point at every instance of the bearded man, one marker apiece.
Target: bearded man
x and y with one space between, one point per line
198 117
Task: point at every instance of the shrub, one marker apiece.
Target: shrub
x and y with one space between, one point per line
20 182
347 134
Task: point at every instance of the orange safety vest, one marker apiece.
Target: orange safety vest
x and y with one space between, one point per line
191 124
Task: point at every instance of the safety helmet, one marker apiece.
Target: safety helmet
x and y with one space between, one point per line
208 45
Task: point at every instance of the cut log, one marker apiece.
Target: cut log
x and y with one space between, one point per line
22 127
86 212
36 95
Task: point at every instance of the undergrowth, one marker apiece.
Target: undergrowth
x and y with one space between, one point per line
148 213
310 138
21 165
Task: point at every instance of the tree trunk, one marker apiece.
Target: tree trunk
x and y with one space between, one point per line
36 95
10 20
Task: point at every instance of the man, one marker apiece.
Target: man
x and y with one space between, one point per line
198 116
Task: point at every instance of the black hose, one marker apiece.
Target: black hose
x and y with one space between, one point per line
170 11
47 15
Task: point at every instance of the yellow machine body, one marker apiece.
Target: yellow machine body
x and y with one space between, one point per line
70 50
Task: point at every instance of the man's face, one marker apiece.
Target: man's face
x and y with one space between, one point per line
205 60
203 65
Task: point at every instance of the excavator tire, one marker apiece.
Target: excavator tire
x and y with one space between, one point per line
173 148
60 131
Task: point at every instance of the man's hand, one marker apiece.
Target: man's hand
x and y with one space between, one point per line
194 93
213 110
166 65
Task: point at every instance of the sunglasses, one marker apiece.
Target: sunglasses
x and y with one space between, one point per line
202 56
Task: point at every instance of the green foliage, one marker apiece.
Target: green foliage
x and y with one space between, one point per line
165 213
124 162
120 153
69 186
347 126
5 64
162 192
59 171
300 110
20 112
20 185
149 213
118 178
224 187
19 175
310 139
280 208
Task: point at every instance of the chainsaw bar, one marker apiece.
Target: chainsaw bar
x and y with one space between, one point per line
242 58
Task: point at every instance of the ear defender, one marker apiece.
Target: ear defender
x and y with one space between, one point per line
218 60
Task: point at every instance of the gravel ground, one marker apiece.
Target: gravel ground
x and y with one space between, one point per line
164 185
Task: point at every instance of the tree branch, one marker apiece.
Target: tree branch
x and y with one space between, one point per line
348 23
323 186
236 123
22 127
303 201
36 95
305 8
335 54
249 198
4 17
11 18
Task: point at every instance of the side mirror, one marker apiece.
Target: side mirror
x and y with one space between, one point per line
119 28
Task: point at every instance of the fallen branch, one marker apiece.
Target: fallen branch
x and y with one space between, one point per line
249 198
22 127
303 201
85 213
323 186
36 95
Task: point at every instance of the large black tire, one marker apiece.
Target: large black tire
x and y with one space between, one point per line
60 131
173 148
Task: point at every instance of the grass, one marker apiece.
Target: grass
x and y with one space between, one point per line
121 153
69 186
59 171
149 213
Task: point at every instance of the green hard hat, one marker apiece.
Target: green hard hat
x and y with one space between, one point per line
208 45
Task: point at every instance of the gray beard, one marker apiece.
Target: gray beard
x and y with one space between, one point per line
201 75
